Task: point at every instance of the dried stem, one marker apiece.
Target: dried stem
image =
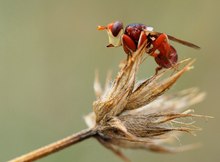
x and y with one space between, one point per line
56 146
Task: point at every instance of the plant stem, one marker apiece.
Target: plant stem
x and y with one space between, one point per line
56 146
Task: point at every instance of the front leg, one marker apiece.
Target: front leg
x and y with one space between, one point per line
128 44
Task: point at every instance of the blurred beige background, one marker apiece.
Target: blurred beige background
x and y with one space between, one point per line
50 49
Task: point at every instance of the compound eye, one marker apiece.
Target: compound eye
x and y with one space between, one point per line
116 28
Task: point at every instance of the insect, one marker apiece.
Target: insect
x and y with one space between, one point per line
134 35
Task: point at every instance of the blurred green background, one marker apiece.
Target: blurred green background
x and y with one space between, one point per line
49 50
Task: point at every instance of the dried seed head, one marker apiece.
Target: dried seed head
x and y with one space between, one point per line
114 100
131 114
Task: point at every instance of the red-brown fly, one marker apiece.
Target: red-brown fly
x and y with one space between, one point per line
134 35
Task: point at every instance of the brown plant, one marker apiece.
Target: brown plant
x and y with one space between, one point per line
133 114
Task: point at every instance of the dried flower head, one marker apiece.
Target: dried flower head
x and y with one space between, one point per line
133 114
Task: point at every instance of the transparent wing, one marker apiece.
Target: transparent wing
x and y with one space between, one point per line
183 42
